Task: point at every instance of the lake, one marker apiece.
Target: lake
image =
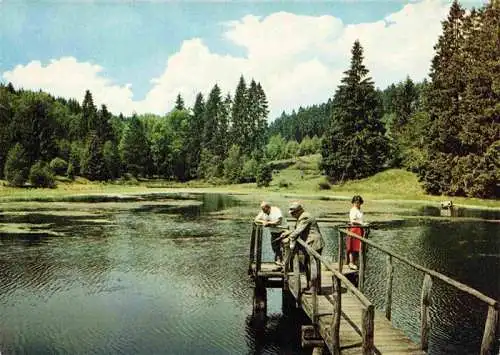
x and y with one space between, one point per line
167 274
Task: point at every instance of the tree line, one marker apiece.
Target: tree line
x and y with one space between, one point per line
219 138
445 129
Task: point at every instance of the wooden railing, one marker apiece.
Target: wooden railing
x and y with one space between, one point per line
255 248
492 319
338 279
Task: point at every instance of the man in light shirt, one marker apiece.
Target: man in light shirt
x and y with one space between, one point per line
271 217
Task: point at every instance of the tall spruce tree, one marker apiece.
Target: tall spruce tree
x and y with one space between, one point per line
476 172
134 148
262 114
195 137
257 118
444 100
93 165
355 145
211 163
89 113
213 111
463 105
239 115
5 122
179 103
33 125
223 128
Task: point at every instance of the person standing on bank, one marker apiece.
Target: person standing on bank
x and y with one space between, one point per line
308 230
271 217
356 223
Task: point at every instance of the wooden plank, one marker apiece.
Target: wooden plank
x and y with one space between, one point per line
387 339
490 328
425 319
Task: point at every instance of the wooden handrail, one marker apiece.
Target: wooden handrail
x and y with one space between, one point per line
492 319
361 297
488 300
368 314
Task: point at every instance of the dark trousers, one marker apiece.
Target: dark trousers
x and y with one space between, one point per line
276 245
307 266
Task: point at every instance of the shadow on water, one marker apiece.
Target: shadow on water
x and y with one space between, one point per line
277 332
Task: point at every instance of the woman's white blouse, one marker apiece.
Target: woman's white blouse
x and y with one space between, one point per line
356 216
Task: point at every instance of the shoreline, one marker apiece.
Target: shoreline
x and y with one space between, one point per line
122 193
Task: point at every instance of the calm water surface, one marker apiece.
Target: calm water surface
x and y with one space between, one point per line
171 279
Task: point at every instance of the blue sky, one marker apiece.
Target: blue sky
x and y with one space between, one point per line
134 54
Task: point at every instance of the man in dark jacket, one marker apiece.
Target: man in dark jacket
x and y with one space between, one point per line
307 229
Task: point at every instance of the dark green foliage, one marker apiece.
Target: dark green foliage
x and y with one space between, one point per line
264 175
111 159
179 103
34 126
355 145
233 165
63 149
92 164
41 175
6 114
211 166
276 148
403 113
249 171
59 166
324 185
177 126
211 117
463 103
240 130
194 137
75 157
70 173
16 166
89 113
103 127
310 121
134 148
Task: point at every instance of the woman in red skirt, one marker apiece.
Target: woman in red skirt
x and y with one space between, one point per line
356 222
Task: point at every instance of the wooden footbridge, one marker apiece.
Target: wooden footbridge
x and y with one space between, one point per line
343 319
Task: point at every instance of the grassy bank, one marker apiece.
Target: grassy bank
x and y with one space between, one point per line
292 178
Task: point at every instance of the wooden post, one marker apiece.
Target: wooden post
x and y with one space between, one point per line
425 321
362 266
296 274
388 291
337 308
341 252
490 329
259 298
367 315
259 250
313 267
252 250
286 268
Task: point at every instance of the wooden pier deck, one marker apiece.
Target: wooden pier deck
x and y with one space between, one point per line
343 320
387 339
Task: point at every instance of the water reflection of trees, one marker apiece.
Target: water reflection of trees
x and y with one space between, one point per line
44 264
276 333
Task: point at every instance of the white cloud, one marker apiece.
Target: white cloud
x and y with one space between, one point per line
298 59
